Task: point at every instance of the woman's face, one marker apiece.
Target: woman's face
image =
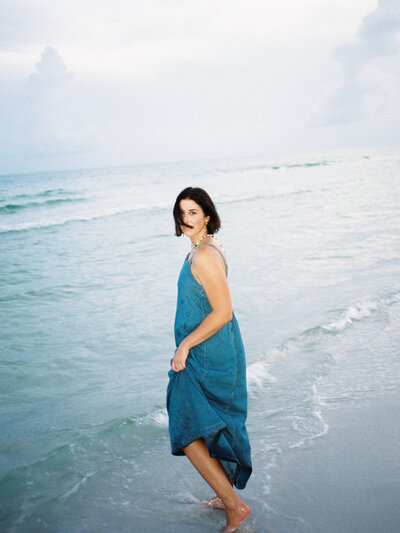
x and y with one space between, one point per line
193 216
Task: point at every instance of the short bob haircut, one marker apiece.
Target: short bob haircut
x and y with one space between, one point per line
202 198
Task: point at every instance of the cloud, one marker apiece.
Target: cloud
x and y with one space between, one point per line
42 119
371 71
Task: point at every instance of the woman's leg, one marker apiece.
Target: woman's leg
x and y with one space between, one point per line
212 472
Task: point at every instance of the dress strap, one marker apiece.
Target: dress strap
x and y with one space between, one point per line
218 250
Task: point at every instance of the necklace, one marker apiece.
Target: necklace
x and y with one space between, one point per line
199 241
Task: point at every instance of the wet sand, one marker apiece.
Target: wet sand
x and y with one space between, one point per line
348 480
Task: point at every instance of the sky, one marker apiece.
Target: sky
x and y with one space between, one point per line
94 83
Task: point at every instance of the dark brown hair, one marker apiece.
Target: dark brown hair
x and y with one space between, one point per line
202 198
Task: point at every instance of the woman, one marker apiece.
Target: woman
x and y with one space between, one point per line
206 396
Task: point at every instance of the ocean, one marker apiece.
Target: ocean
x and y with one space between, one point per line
88 270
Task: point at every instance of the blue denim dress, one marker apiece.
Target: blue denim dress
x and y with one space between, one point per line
209 399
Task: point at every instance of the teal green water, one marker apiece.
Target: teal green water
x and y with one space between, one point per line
88 272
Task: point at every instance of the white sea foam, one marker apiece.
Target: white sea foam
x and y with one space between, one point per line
257 374
160 418
359 311
78 485
352 314
157 418
321 427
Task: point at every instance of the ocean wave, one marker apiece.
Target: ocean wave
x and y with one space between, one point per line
158 418
103 213
308 165
155 419
248 168
258 373
359 311
52 294
92 446
115 211
257 197
43 194
84 479
15 208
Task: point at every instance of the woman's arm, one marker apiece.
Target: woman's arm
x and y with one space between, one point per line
210 270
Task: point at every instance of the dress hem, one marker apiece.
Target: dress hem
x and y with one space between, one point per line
202 433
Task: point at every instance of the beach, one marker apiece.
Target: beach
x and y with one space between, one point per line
348 480
88 272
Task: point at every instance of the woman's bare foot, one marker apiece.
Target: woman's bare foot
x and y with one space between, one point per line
215 503
234 517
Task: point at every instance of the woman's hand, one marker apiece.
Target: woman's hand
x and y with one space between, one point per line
179 360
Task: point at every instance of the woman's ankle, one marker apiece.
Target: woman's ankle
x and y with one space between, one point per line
232 503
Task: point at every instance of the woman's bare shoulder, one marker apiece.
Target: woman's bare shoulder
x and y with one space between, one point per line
209 256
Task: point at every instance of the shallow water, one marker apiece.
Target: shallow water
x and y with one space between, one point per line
88 278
